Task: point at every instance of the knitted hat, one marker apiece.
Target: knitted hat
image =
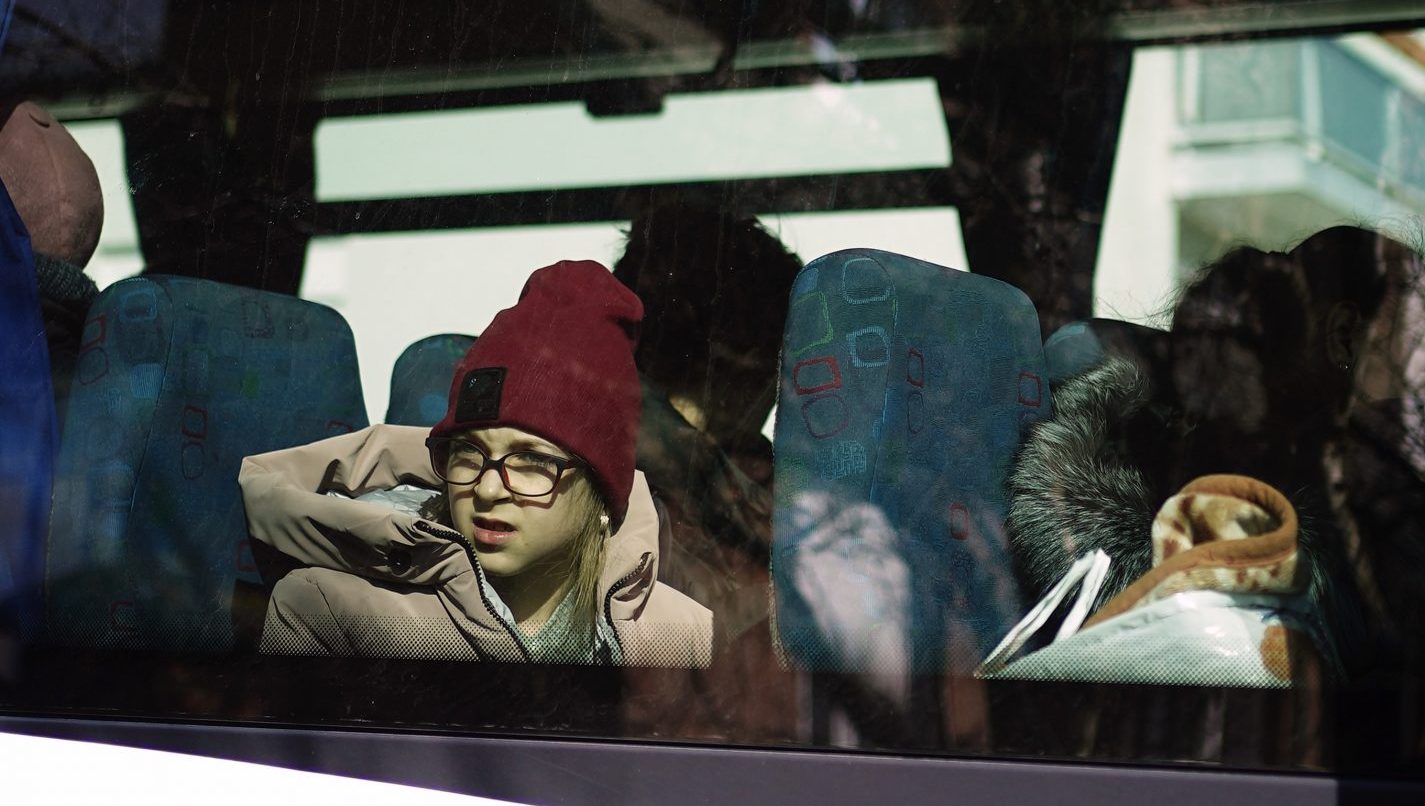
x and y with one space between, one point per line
559 364
53 184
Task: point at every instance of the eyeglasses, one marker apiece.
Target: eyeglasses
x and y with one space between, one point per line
527 473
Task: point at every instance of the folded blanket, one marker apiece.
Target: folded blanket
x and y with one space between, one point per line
1223 604
1225 533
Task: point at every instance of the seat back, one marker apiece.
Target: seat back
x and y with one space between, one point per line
906 388
177 380
420 381
27 429
1080 346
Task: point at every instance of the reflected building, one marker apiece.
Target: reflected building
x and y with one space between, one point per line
1260 143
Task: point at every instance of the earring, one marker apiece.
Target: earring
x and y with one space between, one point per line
604 521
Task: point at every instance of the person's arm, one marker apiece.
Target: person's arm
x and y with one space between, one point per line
287 508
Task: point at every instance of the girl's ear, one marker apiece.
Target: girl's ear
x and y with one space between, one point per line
1343 334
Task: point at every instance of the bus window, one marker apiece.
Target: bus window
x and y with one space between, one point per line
907 377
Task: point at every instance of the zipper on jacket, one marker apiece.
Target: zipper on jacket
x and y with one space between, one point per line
609 597
459 539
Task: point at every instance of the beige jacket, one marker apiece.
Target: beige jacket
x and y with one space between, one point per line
385 583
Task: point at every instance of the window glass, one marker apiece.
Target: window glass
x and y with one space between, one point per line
765 132
118 255
900 377
1269 90
486 269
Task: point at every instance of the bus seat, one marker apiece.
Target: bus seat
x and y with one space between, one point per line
905 390
27 429
177 380
1080 346
420 381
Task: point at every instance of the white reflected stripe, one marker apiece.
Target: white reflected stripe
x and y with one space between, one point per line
776 131
45 771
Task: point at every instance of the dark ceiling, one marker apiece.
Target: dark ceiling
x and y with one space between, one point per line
219 102
100 51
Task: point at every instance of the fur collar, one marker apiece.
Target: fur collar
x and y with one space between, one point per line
1076 485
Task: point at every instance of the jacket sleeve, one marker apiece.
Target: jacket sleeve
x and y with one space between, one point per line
300 620
287 508
672 631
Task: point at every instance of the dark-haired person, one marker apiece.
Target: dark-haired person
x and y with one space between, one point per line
715 286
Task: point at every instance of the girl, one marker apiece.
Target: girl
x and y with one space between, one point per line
515 529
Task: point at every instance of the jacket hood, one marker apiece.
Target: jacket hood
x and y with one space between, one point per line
1076 485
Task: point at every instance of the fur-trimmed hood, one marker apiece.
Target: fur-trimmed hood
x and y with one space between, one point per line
1075 486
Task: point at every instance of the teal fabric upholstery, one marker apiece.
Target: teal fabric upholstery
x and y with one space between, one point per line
179 379
420 381
1080 346
906 388
1070 350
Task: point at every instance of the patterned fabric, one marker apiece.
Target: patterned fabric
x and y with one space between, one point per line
420 381
27 427
906 388
177 380
1225 533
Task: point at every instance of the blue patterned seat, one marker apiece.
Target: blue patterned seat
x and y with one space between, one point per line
1080 346
27 428
420 381
905 390
177 380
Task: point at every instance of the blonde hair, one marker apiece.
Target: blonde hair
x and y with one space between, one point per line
586 556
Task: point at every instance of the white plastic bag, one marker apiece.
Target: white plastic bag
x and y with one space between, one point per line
1195 638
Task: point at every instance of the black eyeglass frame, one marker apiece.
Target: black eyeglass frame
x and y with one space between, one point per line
561 464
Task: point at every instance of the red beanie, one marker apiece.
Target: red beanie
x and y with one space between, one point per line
559 364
